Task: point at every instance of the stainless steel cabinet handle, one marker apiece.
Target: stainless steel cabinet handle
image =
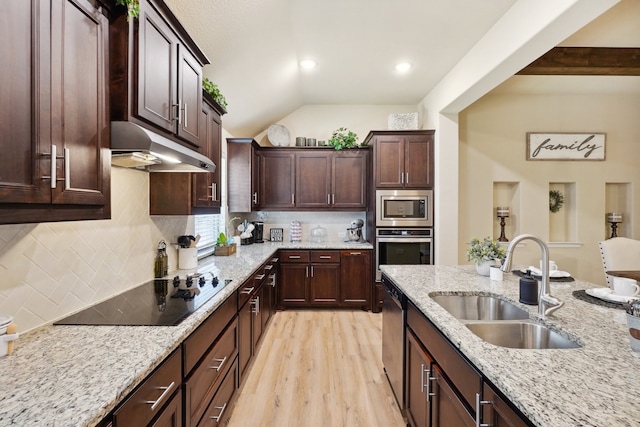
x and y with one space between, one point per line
293 199
259 277
177 107
401 178
274 260
268 267
52 176
273 280
154 403
333 199
222 408
255 198
429 379
294 256
213 188
422 371
328 199
256 305
220 363
67 169
247 291
325 256
312 271
186 122
355 253
479 404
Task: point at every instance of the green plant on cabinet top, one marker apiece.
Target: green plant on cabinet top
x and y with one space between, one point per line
343 138
212 89
133 7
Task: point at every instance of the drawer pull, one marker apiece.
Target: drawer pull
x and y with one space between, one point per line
259 277
222 408
220 361
355 253
268 267
294 256
154 403
325 256
274 260
247 291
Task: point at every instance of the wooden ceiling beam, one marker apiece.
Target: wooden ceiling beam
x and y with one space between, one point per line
586 61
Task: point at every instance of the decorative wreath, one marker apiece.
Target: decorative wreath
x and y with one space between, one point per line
556 200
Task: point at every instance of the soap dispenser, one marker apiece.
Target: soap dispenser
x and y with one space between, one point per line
528 289
161 266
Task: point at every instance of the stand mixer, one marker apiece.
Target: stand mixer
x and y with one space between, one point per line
354 233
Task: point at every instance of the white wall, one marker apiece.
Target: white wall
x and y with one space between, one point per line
492 149
50 270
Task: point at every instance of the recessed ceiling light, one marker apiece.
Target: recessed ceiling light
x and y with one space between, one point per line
308 64
402 67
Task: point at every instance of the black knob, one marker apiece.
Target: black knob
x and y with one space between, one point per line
189 281
201 281
176 282
214 281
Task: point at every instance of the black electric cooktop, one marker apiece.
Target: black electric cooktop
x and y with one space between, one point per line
160 302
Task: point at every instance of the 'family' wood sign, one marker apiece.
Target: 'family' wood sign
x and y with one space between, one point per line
565 146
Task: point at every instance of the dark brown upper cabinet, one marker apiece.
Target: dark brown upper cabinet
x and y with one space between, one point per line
186 193
156 74
243 175
55 129
403 159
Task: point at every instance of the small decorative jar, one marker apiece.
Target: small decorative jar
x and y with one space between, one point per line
296 231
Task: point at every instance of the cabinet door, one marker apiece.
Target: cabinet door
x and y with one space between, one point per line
389 161
157 70
324 281
25 138
203 189
447 408
189 97
245 337
496 412
277 180
256 321
171 416
417 393
293 284
348 180
355 278
239 175
418 161
214 136
313 180
219 409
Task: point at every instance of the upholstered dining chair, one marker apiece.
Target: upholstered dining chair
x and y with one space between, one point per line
619 253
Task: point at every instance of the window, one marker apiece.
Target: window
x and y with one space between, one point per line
208 227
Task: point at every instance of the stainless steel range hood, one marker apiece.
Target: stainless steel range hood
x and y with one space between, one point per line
136 147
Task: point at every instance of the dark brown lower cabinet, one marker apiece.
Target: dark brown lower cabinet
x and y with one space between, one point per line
448 409
496 412
171 415
355 278
219 409
418 367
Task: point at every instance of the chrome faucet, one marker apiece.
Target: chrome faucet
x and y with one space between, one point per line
547 304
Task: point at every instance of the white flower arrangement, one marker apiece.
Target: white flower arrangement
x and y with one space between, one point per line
485 250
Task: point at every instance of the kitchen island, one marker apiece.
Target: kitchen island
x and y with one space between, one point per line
595 385
76 375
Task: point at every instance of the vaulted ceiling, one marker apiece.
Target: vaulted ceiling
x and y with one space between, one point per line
255 47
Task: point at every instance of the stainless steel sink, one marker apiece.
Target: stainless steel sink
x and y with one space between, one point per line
480 307
521 335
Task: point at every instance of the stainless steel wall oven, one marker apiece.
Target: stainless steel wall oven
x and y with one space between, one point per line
403 246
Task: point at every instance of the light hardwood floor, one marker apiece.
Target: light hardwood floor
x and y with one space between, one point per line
318 368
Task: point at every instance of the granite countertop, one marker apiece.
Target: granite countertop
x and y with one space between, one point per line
596 385
75 375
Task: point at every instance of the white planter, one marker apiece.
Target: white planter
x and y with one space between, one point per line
483 268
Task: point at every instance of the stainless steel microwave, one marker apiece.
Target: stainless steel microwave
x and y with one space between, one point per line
404 208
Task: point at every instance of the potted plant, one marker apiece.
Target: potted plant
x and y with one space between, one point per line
212 89
133 7
485 252
343 138
224 246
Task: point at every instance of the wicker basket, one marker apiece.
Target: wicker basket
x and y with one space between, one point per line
225 250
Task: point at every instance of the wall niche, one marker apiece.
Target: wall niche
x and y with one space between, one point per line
563 224
506 195
618 200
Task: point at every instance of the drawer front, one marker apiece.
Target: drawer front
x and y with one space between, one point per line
220 407
152 395
196 345
460 372
250 287
325 256
294 256
207 376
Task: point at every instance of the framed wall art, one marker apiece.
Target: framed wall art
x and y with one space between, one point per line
566 146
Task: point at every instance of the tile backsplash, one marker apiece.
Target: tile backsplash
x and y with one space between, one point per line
50 270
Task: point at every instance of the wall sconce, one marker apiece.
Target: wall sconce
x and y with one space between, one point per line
614 218
502 213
